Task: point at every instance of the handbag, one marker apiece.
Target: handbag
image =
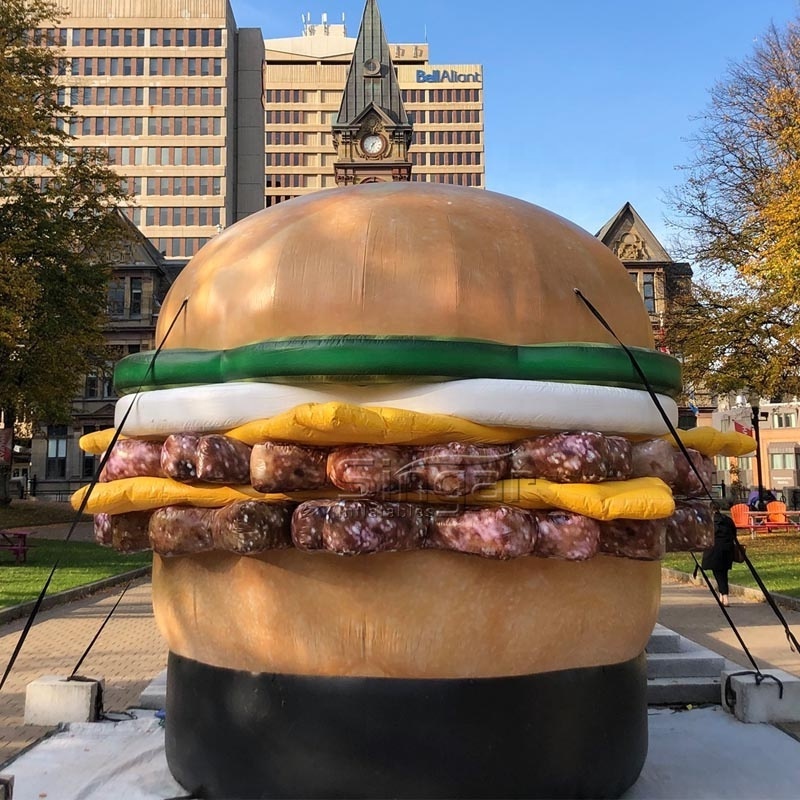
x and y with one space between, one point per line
739 551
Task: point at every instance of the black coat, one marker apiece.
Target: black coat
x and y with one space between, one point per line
720 555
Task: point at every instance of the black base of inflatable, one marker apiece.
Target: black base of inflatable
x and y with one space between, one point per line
569 734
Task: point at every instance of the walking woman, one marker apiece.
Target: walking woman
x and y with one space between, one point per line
719 557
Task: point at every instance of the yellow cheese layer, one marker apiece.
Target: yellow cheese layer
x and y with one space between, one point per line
711 442
640 498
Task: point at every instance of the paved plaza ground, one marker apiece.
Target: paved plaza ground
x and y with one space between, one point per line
130 651
128 654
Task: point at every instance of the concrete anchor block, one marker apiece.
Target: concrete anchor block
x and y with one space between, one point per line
53 699
754 702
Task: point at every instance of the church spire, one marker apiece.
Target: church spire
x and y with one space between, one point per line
371 78
372 132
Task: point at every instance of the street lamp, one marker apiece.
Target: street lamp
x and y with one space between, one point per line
755 419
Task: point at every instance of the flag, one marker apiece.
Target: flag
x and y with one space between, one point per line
739 428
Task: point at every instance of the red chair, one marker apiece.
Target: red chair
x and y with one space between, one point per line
740 514
777 519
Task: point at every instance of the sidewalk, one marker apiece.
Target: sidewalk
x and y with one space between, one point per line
128 654
84 531
130 651
691 611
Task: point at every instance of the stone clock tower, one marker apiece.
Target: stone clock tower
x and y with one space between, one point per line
372 132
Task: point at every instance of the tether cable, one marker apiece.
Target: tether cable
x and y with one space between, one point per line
79 513
727 615
793 643
99 631
648 386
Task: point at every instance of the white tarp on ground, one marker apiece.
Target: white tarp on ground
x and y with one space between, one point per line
98 761
703 753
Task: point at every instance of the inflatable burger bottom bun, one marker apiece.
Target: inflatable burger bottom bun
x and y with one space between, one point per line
523 678
421 614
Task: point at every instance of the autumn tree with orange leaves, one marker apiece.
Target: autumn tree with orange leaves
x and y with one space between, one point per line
738 213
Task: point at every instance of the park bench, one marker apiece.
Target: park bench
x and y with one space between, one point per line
15 540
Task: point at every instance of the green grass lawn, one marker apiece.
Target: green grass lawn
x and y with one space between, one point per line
79 563
21 513
776 556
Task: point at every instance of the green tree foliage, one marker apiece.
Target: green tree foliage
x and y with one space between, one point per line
56 237
732 341
739 211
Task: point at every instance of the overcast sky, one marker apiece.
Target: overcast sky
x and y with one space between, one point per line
588 103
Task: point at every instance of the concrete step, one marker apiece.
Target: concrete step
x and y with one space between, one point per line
663 640
154 695
683 691
681 672
695 662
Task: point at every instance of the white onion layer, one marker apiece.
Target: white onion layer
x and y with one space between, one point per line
539 405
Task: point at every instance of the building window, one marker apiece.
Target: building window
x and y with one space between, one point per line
645 282
783 461
56 466
92 386
116 297
649 291
89 461
784 420
136 297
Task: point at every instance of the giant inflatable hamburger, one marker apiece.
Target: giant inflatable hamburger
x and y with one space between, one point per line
407 500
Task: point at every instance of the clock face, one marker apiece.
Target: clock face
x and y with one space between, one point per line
373 144
372 67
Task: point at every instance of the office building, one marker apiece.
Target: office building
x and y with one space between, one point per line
152 83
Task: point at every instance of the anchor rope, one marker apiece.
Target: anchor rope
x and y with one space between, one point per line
79 513
793 643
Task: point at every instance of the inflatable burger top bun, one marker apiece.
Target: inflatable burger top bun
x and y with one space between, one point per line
403 259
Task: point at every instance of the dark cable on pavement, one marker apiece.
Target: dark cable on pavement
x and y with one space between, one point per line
79 513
